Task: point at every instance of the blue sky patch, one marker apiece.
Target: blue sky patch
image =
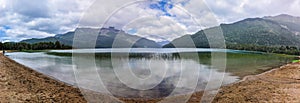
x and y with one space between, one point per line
6 27
163 6
132 31
2 33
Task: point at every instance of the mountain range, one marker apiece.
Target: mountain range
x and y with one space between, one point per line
281 30
106 38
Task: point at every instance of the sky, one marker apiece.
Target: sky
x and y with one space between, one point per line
157 20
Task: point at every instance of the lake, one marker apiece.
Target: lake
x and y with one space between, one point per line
149 72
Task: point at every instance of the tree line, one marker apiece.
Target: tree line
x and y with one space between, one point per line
291 50
36 46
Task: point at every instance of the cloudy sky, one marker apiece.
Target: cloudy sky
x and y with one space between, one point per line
156 20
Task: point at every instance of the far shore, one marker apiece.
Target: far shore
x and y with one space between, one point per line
19 83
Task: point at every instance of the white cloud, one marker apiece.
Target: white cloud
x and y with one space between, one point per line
157 28
152 23
228 11
129 14
39 18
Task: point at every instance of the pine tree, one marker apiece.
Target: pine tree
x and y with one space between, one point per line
57 45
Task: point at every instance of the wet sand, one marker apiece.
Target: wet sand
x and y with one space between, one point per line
21 84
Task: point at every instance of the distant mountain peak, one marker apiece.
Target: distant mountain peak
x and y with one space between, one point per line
250 19
281 16
162 43
287 21
285 15
101 30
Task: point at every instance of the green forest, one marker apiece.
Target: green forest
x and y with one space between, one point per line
291 50
255 34
36 46
21 46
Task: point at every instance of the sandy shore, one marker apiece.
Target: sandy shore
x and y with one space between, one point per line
21 84
278 85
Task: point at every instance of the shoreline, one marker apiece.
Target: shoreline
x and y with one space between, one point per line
19 83
274 85
22 84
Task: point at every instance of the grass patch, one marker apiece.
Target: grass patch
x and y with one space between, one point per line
296 61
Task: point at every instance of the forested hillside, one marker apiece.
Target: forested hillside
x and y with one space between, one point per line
256 34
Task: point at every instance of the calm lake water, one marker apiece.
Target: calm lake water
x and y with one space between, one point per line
160 72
